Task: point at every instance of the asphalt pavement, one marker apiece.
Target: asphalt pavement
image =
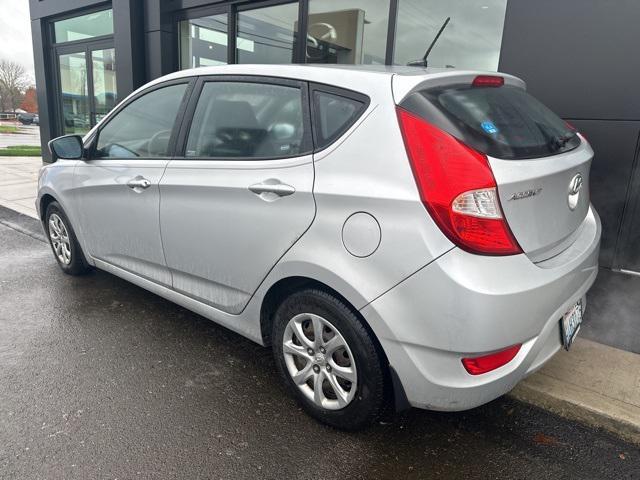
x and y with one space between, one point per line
101 379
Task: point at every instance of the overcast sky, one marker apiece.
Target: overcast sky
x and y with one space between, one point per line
15 33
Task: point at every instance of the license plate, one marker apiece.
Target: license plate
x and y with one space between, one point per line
570 324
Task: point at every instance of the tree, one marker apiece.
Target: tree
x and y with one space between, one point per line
13 82
29 101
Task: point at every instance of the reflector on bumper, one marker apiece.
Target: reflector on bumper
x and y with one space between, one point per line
487 363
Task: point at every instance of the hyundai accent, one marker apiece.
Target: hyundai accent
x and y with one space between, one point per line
398 235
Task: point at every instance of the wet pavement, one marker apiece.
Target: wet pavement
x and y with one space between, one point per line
101 379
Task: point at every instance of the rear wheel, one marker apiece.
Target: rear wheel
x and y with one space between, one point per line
328 360
63 241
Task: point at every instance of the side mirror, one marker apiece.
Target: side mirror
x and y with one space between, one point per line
67 147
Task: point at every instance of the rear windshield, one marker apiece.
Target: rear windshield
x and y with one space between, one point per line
503 122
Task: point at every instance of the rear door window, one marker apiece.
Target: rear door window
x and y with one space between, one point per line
334 112
246 120
503 122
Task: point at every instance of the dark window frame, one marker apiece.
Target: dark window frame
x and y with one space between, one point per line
85 45
51 34
183 136
69 48
92 142
338 92
234 6
206 11
264 4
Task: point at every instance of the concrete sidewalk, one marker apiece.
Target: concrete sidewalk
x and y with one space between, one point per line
18 183
592 383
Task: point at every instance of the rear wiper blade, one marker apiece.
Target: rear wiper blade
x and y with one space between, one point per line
562 141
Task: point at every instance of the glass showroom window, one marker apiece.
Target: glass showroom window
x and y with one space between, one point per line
203 41
267 35
96 24
347 31
87 87
103 63
472 39
74 93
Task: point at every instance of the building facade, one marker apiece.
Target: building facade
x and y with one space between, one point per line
575 55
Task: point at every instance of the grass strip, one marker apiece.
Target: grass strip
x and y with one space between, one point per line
21 151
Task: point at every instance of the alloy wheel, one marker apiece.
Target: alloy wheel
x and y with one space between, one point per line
59 236
320 361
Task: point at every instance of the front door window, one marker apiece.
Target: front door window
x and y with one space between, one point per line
142 129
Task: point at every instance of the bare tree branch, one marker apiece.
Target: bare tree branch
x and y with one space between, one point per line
13 83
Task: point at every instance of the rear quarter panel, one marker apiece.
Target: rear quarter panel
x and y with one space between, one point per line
366 170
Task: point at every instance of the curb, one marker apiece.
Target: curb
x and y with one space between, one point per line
593 384
22 223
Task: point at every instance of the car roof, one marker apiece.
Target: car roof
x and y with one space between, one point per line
322 73
301 71
363 78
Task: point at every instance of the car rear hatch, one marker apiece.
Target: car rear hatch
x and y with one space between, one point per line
539 162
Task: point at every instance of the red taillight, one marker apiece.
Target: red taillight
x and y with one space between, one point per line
486 363
457 187
487 81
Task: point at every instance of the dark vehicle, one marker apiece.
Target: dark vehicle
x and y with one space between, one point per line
28 118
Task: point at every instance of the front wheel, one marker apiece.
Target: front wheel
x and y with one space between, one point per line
329 361
63 241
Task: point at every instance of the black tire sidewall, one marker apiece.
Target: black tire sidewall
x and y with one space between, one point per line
369 401
78 263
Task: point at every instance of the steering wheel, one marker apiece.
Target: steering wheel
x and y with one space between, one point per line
160 150
321 31
115 150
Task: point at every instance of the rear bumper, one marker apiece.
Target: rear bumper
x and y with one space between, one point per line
466 305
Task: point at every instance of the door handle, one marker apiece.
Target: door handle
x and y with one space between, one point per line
138 183
273 186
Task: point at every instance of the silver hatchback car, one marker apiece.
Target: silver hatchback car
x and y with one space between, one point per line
398 235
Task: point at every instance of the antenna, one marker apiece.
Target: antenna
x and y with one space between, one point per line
423 62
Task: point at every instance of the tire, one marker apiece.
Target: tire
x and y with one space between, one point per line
302 313
66 249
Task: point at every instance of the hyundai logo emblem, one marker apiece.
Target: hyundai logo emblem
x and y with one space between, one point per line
575 185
